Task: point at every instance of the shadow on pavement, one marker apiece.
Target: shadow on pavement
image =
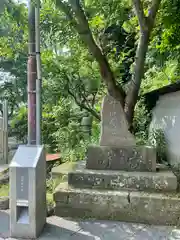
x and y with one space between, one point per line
59 228
108 230
53 232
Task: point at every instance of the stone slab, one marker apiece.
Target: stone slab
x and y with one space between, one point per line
114 127
134 158
139 207
164 181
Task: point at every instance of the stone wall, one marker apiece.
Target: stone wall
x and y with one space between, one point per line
166 116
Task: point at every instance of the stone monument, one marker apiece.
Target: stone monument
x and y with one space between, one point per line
118 149
118 180
27 192
114 127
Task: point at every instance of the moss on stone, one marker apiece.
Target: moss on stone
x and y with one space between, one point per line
4 190
63 169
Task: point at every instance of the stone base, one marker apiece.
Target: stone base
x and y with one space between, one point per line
134 158
162 181
127 206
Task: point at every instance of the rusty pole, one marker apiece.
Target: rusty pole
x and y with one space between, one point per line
31 75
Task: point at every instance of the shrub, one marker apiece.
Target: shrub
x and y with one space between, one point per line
141 122
157 139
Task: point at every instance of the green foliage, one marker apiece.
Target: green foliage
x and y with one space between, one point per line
13 49
157 77
4 190
95 132
157 140
72 85
18 125
69 138
141 122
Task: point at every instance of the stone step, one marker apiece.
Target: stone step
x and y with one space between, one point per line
127 206
162 181
63 169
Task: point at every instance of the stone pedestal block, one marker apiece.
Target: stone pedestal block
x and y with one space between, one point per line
28 192
163 181
126 206
129 158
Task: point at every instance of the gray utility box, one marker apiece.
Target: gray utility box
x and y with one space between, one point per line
28 192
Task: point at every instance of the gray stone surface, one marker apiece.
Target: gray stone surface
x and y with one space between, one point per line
114 128
63 169
129 206
163 181
28 192
4 203
4 178
137 158
68 229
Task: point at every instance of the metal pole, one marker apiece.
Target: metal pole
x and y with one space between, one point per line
39 80
31 75
5 131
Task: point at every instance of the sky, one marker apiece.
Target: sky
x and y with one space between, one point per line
22 1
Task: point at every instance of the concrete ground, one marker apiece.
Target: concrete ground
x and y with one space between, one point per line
64 229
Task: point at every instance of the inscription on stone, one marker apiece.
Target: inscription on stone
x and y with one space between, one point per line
129 158
114 127
118 149
22 183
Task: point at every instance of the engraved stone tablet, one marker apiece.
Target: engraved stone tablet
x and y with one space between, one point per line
129 158
28 192
22 183
114 127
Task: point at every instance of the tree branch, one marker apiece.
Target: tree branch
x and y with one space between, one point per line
79 102
133 91
152 12
82 105
82 27
140 14
67 10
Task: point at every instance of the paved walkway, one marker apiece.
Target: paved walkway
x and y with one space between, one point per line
64 229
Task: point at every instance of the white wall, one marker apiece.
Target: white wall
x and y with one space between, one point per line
166 116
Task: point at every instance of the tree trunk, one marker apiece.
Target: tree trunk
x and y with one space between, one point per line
146 24
31 75
78 19
132 94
